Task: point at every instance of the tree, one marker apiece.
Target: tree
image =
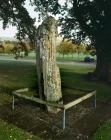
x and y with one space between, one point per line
13 12
2 48
80 48
17 15
94 20
66 47
87 18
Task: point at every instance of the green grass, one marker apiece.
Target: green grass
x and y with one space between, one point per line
103 132
70 57
4 98
11 132
75 77
15 75
60 57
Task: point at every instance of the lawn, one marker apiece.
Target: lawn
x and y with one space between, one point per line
76 77
11 132
59 57
15 75
68 57
103 132
74 57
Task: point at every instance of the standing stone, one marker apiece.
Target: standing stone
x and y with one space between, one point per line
48 70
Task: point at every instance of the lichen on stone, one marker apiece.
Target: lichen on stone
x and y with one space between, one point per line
46 44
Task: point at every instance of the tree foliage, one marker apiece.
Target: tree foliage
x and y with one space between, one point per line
66 47
80 18
44 7
13 12
88 18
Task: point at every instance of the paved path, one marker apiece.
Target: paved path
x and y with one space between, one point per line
77 63
34 61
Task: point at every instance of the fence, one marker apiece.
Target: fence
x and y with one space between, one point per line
63 107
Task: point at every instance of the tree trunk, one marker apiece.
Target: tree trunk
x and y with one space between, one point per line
103 51
103 66
48 71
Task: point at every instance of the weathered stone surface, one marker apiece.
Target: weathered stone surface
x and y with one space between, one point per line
46 46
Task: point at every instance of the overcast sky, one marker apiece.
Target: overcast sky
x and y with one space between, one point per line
11 31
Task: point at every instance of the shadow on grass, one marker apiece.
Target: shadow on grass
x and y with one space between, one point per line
75 80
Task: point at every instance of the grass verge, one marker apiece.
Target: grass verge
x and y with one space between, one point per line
15 75
75 77
11 132
103 132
